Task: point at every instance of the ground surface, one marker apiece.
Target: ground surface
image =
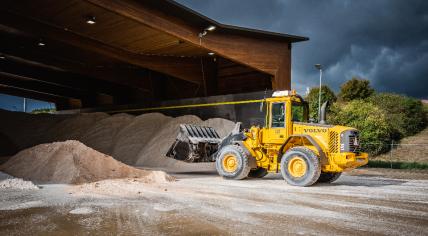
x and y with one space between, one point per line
374 201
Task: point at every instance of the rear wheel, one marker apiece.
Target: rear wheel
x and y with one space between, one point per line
232 162
300 166
258 173
328 177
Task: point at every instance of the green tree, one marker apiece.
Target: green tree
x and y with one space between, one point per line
406 115
371 120
326 95
355 89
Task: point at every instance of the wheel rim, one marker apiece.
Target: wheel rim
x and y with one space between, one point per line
230 163
297 167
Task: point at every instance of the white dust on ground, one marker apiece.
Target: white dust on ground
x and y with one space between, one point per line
82 211
10 182
72 162
362 203
128 188
135 140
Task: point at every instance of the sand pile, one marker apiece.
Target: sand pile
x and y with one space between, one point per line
102 136
73 162
135 140
152 153
137 135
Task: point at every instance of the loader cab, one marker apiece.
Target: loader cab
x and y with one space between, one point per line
281 112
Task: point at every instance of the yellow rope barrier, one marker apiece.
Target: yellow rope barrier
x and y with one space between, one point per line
188 106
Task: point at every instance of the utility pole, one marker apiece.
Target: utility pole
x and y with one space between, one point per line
319 67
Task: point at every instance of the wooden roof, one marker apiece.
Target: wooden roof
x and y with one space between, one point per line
132 44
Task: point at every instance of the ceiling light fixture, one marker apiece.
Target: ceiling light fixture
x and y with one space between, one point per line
2 57
41 44
210 28
90 20
211 53
205 32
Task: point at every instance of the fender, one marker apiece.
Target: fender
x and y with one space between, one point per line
304 136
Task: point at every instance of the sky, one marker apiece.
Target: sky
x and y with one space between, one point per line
13 103
384 41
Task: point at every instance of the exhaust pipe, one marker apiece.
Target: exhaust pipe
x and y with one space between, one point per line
323 115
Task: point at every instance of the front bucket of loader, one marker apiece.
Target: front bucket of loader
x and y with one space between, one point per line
195 144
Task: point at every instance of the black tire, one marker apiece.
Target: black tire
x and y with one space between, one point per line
258 173
328 177
242 167
312 166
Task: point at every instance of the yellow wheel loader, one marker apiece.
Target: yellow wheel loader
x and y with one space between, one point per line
304 152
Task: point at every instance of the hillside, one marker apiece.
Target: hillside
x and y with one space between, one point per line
410 149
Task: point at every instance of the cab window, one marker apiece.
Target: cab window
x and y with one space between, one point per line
299 112
278 115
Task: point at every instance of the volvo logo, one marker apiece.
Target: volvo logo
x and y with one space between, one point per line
315 130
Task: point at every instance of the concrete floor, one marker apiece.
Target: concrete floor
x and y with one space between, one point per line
374 201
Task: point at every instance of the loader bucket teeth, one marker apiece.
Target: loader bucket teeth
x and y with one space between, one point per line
195 144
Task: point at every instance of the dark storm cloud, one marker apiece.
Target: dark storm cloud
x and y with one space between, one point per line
385 41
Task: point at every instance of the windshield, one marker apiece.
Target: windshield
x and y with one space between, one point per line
299 112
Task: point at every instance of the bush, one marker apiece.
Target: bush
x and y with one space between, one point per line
355 89
405 115
326 95
372 121
43 110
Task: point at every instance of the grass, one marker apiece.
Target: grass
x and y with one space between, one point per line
397 165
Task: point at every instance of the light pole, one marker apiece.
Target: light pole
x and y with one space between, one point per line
25 105
319 67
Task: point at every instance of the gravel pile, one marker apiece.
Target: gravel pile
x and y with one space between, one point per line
135 140
72 162
10 182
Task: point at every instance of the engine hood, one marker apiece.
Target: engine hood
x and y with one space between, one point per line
303 127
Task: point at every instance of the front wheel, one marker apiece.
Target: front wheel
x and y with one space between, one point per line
232 162
300 166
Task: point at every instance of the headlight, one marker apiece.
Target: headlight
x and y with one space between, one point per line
349 141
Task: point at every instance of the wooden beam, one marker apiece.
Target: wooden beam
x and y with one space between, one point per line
184 68
60 102
41 86
24 49
20 92
60 78
269 56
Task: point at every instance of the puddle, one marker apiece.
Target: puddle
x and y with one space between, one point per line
123 220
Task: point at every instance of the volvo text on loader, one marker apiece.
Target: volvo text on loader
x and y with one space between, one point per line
305 153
